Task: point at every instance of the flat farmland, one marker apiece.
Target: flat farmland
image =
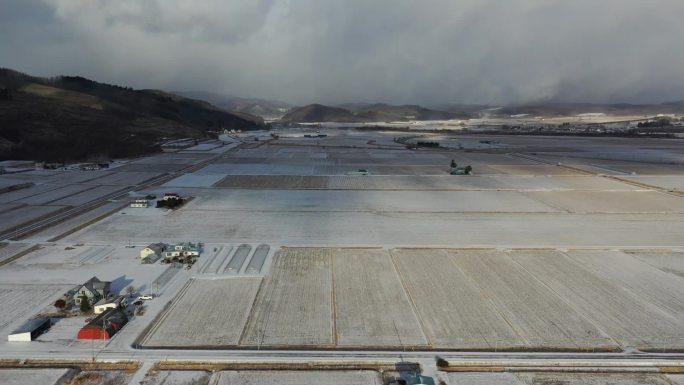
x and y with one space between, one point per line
611 201
65 227
629 319
124 178
32 376
668 182
273 181
535 169
88 196
455 313
20 302
591 379
297 377
537 314
8 206
371 306
370 201
26 193
663 290
206 313
294 304
396 229
424 182
11 249
667 261
483 379
27 214
569 182
53 195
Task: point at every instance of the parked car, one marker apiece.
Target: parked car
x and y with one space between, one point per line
145 297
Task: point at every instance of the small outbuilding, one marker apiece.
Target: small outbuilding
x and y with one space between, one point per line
104 326
153 252
140 203
30 330
112 303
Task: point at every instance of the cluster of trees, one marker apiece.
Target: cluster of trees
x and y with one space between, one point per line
170 202
660 122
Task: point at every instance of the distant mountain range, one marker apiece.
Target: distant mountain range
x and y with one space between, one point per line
73 118
568 109
267 109
360 112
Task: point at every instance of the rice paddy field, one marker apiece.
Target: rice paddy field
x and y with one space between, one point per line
542 378
33 376
289 377
206 313
454 299
21 302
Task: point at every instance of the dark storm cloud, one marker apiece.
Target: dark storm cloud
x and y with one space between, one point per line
468 51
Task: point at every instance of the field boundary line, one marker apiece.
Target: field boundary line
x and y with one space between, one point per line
226 258
407 292
490 302
206 265
149 330
333 299
251 313
620 345
19 255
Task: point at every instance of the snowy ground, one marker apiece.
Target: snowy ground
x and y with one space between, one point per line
519 197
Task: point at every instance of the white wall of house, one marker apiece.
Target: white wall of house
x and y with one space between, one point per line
102 308
19 337
146 252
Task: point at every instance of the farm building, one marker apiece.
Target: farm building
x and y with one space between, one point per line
104 326
105 304
140 203
152 252
94 289
30 330
182 250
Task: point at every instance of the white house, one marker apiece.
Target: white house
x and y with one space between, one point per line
140 203
185 249
104 304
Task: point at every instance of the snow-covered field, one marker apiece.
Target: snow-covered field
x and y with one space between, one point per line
32 376
294 305
304 377
371 307
20 302
208 312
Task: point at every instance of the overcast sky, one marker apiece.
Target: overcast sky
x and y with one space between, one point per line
302 51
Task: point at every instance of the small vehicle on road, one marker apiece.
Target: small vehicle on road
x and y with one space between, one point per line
145 297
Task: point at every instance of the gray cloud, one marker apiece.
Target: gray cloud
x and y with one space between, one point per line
398 51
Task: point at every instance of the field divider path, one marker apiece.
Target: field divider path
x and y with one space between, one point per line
206 265
256 263
157 321
251 314
222 260
411 300
333 302
492 306
238 259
